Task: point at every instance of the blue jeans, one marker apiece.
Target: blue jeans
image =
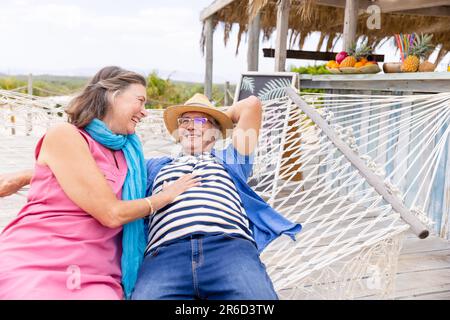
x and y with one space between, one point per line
204 267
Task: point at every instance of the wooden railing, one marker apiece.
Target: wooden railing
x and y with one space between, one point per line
393 83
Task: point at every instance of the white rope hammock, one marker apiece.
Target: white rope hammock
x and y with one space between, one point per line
351 235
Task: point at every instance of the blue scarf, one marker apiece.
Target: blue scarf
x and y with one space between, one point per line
133 240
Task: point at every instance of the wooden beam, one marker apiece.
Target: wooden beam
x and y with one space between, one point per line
388 5
282 33
217 5
386 82
443 11
312 55
208 56
226 96
253 43
350 23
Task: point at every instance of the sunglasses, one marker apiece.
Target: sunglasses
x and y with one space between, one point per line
200 121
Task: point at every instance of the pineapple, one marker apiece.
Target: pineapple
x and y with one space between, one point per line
420 48
410 64
363 52
355 55
349 61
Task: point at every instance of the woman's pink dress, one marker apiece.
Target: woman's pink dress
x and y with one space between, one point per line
54 249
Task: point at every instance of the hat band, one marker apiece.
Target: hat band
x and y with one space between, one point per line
197 104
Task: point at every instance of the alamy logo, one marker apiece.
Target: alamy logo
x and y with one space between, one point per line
374 277
74 279
374 20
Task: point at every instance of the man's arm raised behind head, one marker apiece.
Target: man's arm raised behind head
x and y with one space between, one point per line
247 115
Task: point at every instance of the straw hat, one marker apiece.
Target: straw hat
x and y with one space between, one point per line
198 103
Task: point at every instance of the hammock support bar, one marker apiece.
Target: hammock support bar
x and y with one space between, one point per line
417 227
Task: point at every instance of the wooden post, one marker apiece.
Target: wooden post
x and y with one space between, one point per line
13 122
282 32
253 43
28 125
350 22
226 99
208 56
30 84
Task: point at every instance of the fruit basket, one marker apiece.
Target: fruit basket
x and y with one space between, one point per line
366 69
354 61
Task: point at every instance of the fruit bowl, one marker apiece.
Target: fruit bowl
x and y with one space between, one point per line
392 67
367 69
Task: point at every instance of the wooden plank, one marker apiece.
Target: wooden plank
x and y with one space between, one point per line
442 11
389 5
217 5
416 246
415 262
439 293
379 76
392 6
253 43
350 23
208 57
312 55
421 282
426 86
282 33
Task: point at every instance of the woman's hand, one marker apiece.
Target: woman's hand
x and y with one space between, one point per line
173 190
12 182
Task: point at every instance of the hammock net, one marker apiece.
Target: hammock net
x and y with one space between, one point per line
352 236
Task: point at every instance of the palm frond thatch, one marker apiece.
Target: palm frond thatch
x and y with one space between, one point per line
306 17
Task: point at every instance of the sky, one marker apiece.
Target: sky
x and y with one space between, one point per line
78 37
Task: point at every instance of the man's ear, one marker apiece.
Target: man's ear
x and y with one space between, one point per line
176 135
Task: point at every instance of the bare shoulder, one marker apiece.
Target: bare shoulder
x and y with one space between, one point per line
63 132
61 140
61 128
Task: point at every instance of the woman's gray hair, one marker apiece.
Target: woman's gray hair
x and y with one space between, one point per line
93 101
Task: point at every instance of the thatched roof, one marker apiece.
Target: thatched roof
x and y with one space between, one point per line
306 16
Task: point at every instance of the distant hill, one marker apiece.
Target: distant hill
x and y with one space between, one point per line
161 91
74 80
44 85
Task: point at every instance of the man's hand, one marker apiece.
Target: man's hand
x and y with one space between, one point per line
12 182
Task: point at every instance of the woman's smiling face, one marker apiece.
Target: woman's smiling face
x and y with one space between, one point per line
126 109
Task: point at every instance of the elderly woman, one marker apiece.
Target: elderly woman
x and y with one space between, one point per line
89 180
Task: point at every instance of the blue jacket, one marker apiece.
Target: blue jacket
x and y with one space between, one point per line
265 223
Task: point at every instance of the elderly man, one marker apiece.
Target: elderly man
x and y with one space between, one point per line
206 244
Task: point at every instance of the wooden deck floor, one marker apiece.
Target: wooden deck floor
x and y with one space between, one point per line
423 269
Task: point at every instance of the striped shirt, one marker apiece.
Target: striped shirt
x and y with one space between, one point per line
214 207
